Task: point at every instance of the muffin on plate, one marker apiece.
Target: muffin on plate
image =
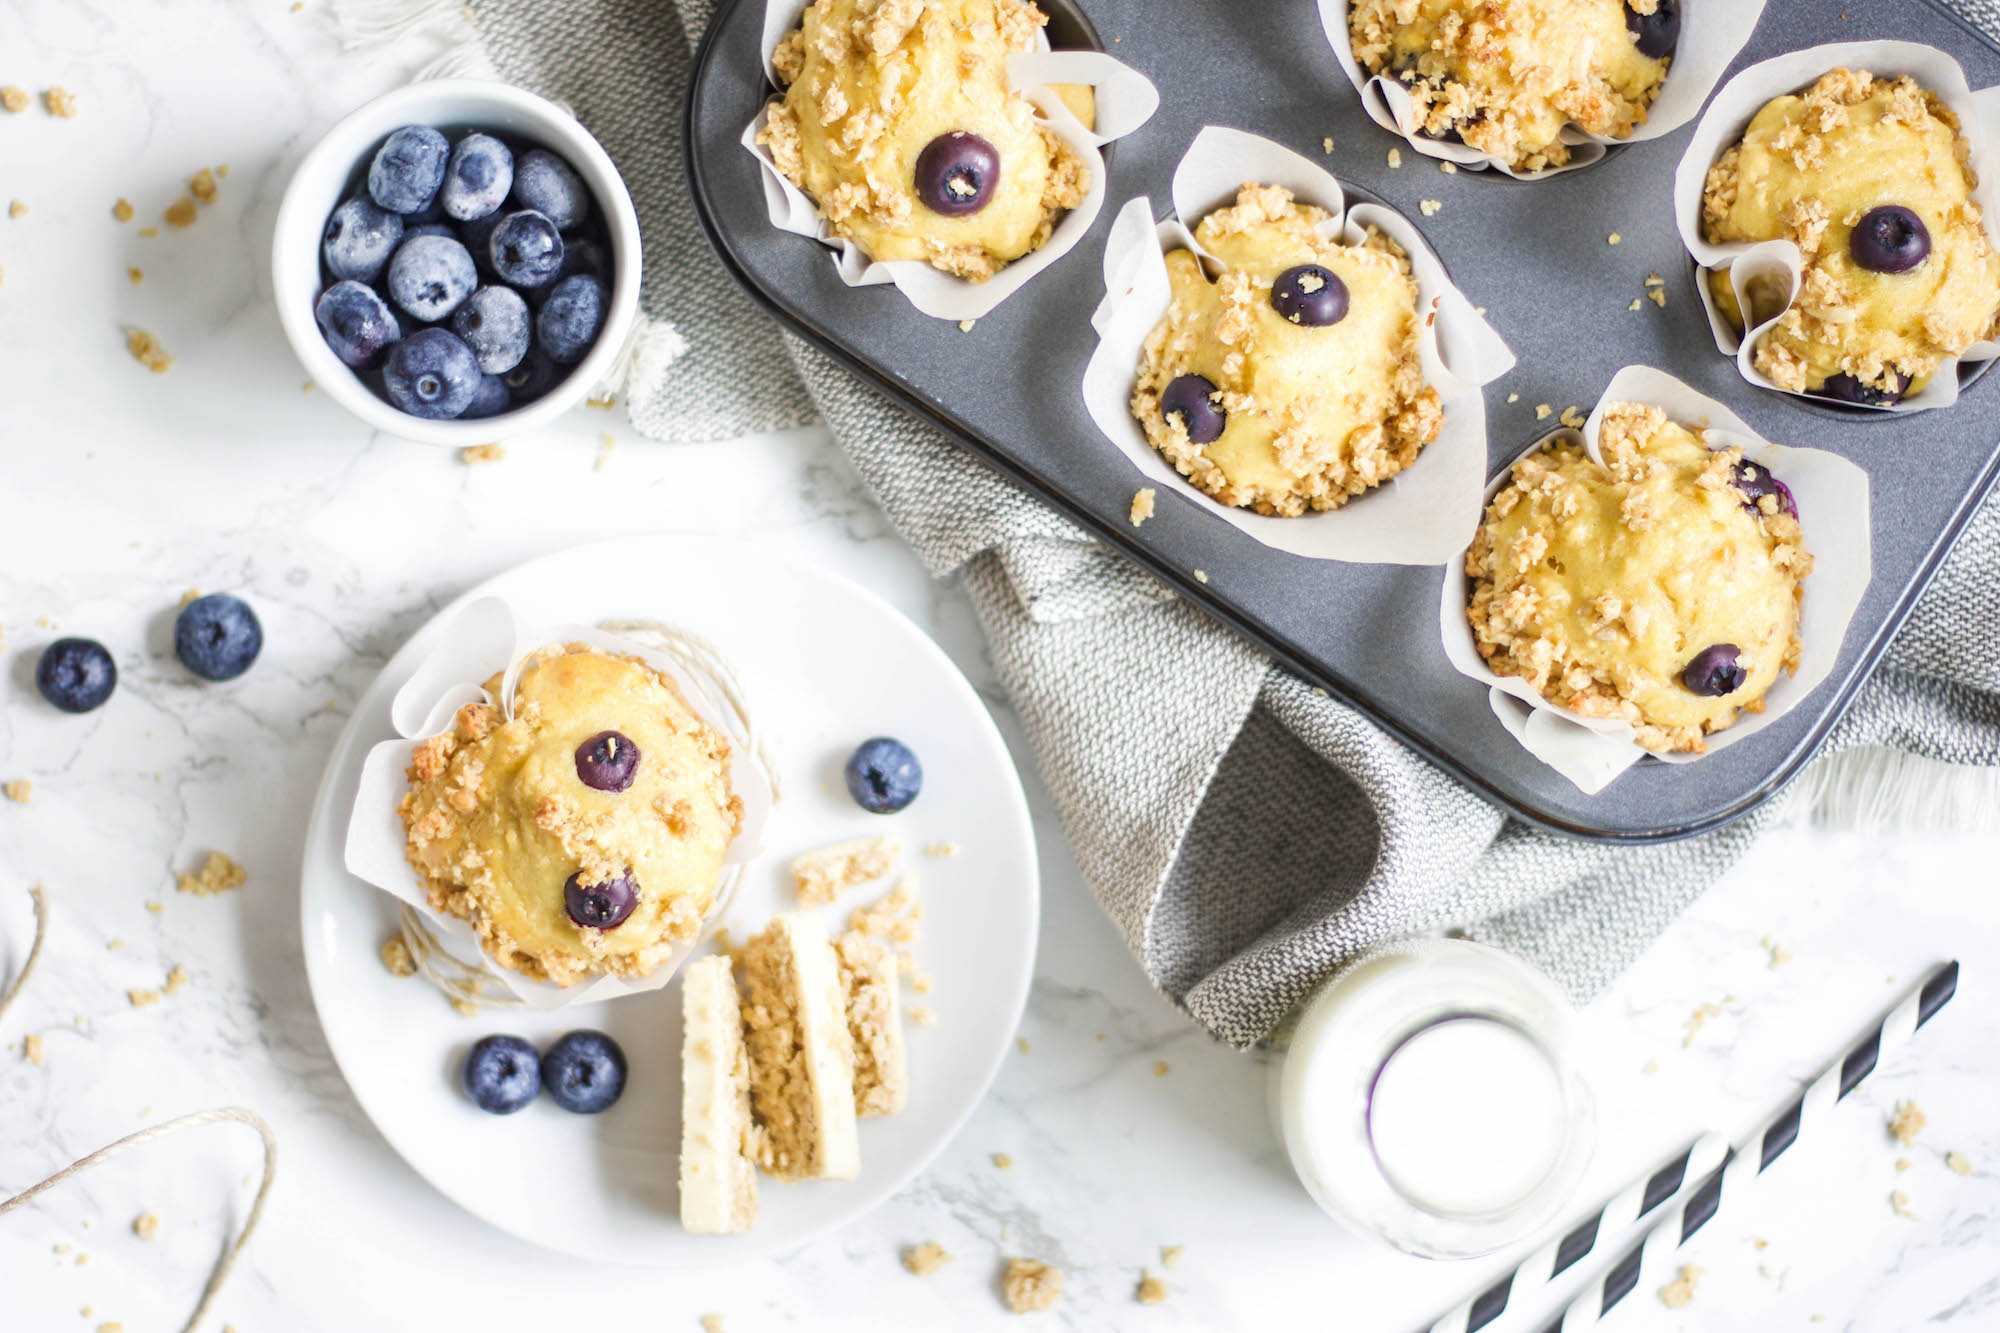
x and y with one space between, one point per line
1506 76
898 120
1871 179
586 834
1660 589
1293 381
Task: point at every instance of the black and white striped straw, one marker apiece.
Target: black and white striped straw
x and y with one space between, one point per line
1646 1259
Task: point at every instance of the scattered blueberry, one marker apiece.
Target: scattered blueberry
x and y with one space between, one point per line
218 636
1658 32
477 178
408 168
356 323
883 775
550 186
1845 388
584 1071
76 675
535 376
1754 482
431 276
1310 295
525 249
571 318
1714 671
359 239
490 399
432 374
956 174
600 906
1889 239
494 323
502 1074
1189 398
607 761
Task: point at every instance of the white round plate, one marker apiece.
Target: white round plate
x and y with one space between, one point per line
824 664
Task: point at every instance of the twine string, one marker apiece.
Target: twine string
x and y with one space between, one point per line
41 901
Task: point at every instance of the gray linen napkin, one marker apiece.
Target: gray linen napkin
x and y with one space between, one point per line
1247 833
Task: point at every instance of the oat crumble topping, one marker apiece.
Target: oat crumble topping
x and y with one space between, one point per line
1142 505
17 209
180 213
1171 1255
139 999
18 790
146 1226
1906 1122
32 1050
1677 1294
61 102
147 351
14 99
1959 1163
1899 1204
1160 1069
1151 1291
1030 1285
1002 1161
473 454
941 851
395 954
925 1259
823 874
202 186
217 874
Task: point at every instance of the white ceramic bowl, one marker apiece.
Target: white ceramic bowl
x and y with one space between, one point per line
322 181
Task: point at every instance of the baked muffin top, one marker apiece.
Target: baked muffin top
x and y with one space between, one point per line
900 123
1505 76
585 835
1871 179
1661 588
1293 381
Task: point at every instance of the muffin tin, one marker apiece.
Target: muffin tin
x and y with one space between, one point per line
1535 255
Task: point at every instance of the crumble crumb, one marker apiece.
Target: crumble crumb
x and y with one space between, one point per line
606 442
603 404
307 387
1142 505
1430 207
1678 1293
1543 411
1906 1122
1658 296
1513 397
113 1326
1760 1242
1902 1164
1159 1069
1395 158
18 790
1614 239
222 170
146 1226
1702 1013
139 999
1780 955
482 453
1201 576
14 99
217 874
1031 1285
465 1007
925 1259
1151 1290
147 351
1899 1204
114 945
153 906
822 875
135 275
921 1017
1171 1255
180 213
149 232
396 957
1959 1163
60 101
1002 1161
1021 1044
17 208
32 1050
1651 1066
1448 168
941 851
189 596
202 185
1572 417
710 1323
122 210
177 977
965 325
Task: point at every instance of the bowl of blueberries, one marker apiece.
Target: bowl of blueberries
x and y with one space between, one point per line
457 261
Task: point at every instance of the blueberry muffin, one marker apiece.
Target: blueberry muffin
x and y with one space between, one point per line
1871 179
899 122
1293 381
1661 589
1505 76
585 835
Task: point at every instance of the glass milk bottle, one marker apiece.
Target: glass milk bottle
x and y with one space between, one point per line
1429 1097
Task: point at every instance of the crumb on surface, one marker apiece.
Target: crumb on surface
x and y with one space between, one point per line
465 1007
1021 1045
1779 954
17 208
1171 1255
604 403
1651 1066
1902 1164
965 325
823 874
710 1323
1142 505
177 978
14 99
60 101
1395 158
1151 1291
139 999
18 790
180 213
396 957
1430 207
216 874
1899 1204
1658 296
921 1017
135 275
122 209
1448 168
202 185
149 232
147 351
189 596
1031 1285
1201 576
32 1050
1513 397
942 850
1573 417
1677 1294
1959 1163
1906 1122
482 453
1636 304
1695 1020
1159 1069
1614 239
1002 1161
1543 411
925 1259
146 1225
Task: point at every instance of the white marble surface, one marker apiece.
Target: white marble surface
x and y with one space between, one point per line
121 489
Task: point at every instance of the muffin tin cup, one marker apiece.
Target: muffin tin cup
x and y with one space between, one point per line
1779 263
1126 99
491 631
1712 33
1833 501
1418 517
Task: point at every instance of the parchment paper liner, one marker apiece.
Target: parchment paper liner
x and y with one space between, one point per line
1419 516
1712 33
487 634
1832 496
1780 261
1126 99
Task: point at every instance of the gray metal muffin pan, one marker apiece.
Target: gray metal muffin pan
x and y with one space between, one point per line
1535 255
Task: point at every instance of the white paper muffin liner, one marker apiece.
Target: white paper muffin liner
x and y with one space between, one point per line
1832 496
1419 516
1780 261
489 633
1712 33
1126 99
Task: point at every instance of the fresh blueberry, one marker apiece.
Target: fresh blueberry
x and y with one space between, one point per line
359 239
408 168
1889 239
1190 398
600 906
957 174
607 761
1753 483
490 399
526 250
494 323
1658 32
356 323
477 178
1310 295
1714 671
1845 388
883 775
431 373
76 675
584 1071
217 637
551 187
431 276
535 376
502 1074
571 318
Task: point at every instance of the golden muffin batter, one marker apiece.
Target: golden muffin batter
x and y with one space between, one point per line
899 122
1620 591
1505 76
1821 168
1254 394
523 828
